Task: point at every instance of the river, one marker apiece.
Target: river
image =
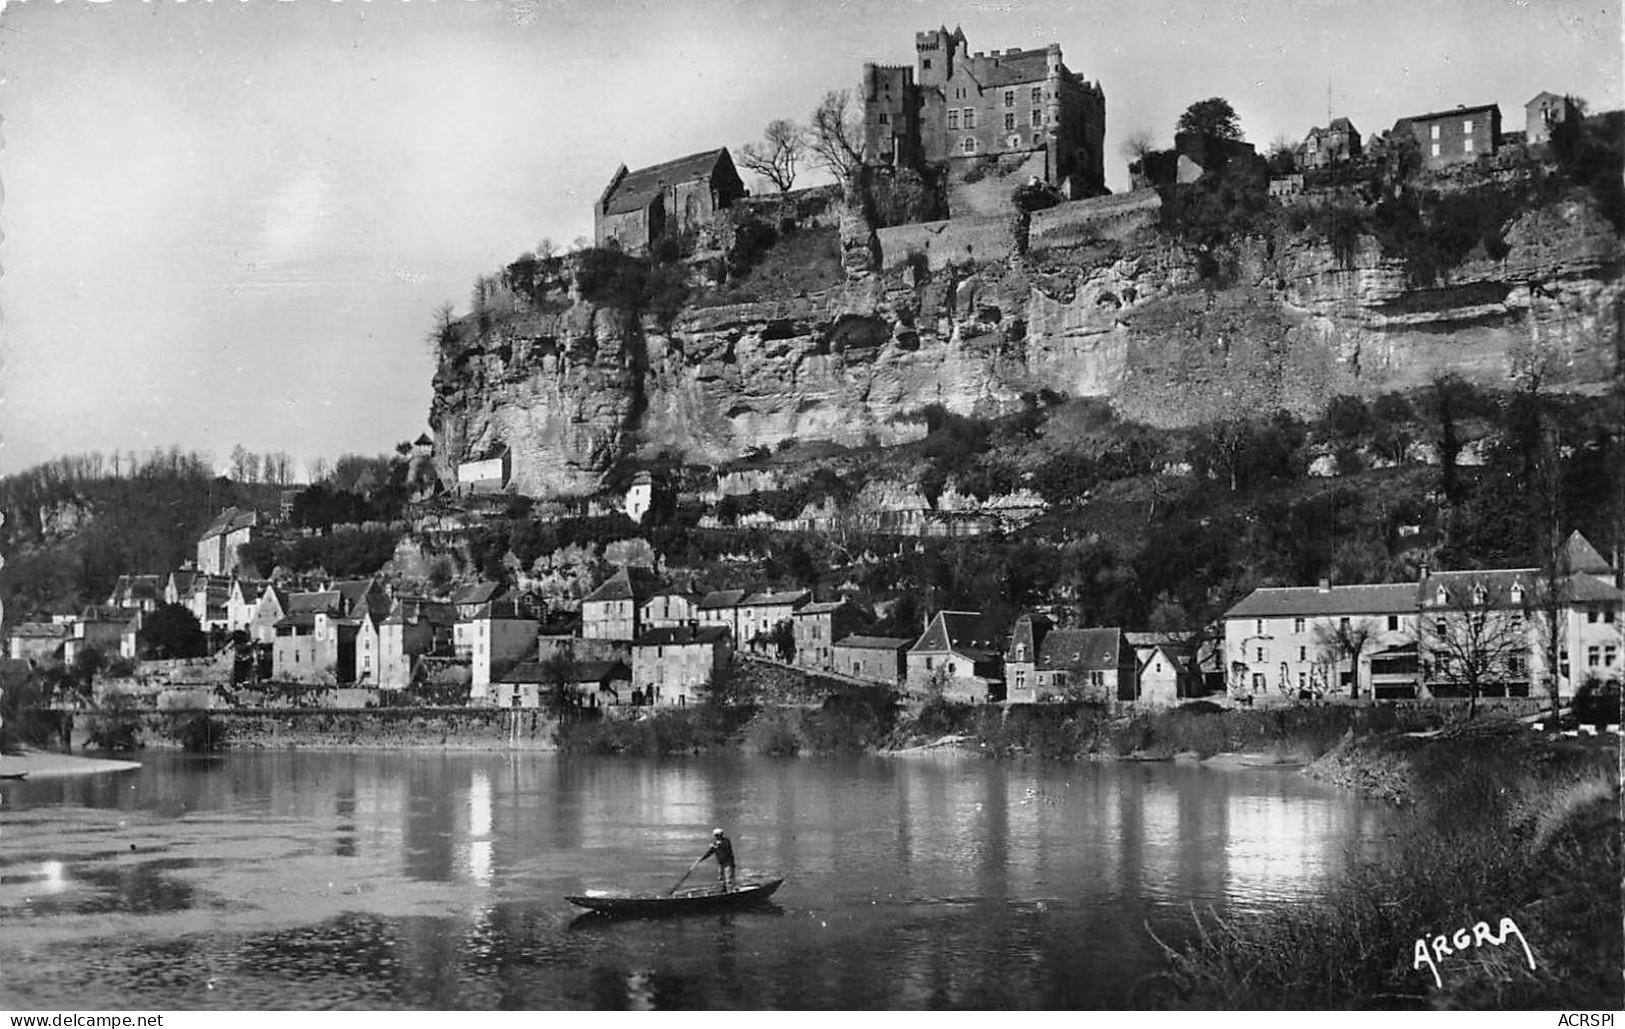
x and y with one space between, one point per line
306 879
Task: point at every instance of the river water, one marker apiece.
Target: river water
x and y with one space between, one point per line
297 879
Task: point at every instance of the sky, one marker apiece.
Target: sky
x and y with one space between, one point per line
231 223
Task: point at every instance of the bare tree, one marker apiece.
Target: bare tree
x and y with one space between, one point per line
1346 639
775 158
1138 145
239 464
443 335
1471 641
278 468
251 467
318 469
836 134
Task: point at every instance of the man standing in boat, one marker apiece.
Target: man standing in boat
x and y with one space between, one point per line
723 849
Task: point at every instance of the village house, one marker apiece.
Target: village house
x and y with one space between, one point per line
1446 633
673 666
241 603
98 628
1165 677
306 645
958 655
613 611
137 593
721 608
882 659
178 587
1449 137
1044 663
217 547
208 601
39 642
502 636
954 104
1282 643
271 608
669 609
639 496
1337 143
1545 112
595 684
817 626
675 198
760 613
414 628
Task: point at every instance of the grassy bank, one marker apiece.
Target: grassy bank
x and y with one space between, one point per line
1501 823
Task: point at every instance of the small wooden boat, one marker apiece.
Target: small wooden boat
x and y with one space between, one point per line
703 898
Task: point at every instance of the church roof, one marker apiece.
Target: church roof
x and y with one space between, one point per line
638 188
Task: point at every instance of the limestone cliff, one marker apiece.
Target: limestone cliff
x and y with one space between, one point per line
569 386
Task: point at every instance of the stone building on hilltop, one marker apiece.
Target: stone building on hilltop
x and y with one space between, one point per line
955 104
640 207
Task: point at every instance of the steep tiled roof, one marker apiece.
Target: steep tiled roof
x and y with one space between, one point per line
638 188
1451 113
823 607
1308 601
720 599
1018 69
776 599
1080 649
1583 557
874 642
321 601
682 636
636 584
967 632
477 593
41 631
230 520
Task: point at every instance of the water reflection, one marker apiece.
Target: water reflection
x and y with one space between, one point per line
435 880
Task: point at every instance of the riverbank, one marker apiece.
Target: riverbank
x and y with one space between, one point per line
44 764
1501 824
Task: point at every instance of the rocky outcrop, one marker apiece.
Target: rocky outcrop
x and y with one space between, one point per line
570 390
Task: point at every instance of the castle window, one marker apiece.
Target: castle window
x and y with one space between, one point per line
1038 95
970 117
1467 126
1038 118
1433 132
926 64
1435 150
883 118
953 118
1037 139
1467 145
969 145
1009 121
1009 98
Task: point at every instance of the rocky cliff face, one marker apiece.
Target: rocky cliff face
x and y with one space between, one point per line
571 390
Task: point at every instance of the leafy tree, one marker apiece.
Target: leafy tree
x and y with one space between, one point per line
172 631
775 158
836 135
1471 642
1211 117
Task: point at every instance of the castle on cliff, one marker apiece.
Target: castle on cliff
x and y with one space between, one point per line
956 105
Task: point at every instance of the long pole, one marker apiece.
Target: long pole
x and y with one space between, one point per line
686 874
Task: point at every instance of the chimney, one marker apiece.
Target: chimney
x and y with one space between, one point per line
1325 585
1422 573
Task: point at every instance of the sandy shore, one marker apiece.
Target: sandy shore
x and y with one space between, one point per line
44 764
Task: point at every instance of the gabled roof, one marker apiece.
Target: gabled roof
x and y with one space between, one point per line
874 642
322 602
249 589
435 612
501 610
1179 662
1080 649
638 188
477 593
228 521
1583 557
1309 601
822 607
769 598
719 599
354 591
682 636
635 584
1454 112
41 631
183 579
965 632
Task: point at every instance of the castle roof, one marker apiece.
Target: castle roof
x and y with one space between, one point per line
1583 557
967 632
637 189
1451 113
1014 69
720 599
1080 649
769 598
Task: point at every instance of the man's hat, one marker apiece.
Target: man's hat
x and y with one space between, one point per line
716 832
